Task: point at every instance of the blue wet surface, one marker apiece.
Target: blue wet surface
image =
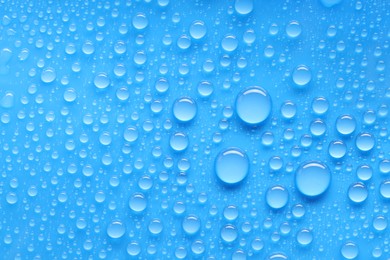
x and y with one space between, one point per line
165 129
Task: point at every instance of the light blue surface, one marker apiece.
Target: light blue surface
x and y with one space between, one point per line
164 129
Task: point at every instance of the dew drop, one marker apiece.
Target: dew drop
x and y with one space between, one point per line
357 193
304 237
184 109
349 250
301 76
116 229
365 142
345 124
101 80
229 43
137 202
293 29
243 7
191 224
384 189
229 233
337 149
48 75
178 141
198 30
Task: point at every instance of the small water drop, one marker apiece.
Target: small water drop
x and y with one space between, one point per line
116 229
184 109
231 166
357 192
277 197
301 76
312 178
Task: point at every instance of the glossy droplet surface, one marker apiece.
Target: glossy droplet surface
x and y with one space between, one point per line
116 229
301 75
184 109
231 166
277 197
357 193
312 178
346 124
253 105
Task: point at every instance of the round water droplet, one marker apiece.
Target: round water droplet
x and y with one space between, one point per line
133 249
304 237
191 224
140 21
277 197
184 109
101 80
229 43
184 42
312 178
198 247
384 166
298 211
288 109
337 149
320 105
229 233
7 101
384 189
155 227
293 29
48 75
277 256
253 105
349 250
357 192
345 124
178 142
364 172
198 30
130 134
380 223
317 127
70 95
301 75
137 202
116 229
205 88
231 166
230 213
365 142
243 7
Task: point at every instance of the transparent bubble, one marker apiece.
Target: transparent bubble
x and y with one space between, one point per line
178 141
191 224
304 237
345 124
116 229
384 189
243 7
101 80
231 166
317 127
137 202
184 109
357 192
364 172
230 213
155 227
320 105
229 233
253 105
337 149
293 29
140 21
133 249
369 117
48 75
229 43
312 178
365 142
131 134
301 75
349 250
277 197
205 88
380 223
288 109
198 30
70 95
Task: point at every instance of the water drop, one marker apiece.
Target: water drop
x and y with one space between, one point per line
301 75
116 229
337 149
48 75
229 43
178 141
198 30
253 105
304 237
288 109
191 224
137 202
345 124
70 95
293 29
364 172
231 166
230 213
130 134
140 21
205 88
349 250
229 233
243 7
184 109
320 105
101 80
7 101
380 223
312 178
384 189
133 249
357 193
277 197
365 142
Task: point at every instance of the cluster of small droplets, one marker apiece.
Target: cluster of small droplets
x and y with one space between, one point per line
194 130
